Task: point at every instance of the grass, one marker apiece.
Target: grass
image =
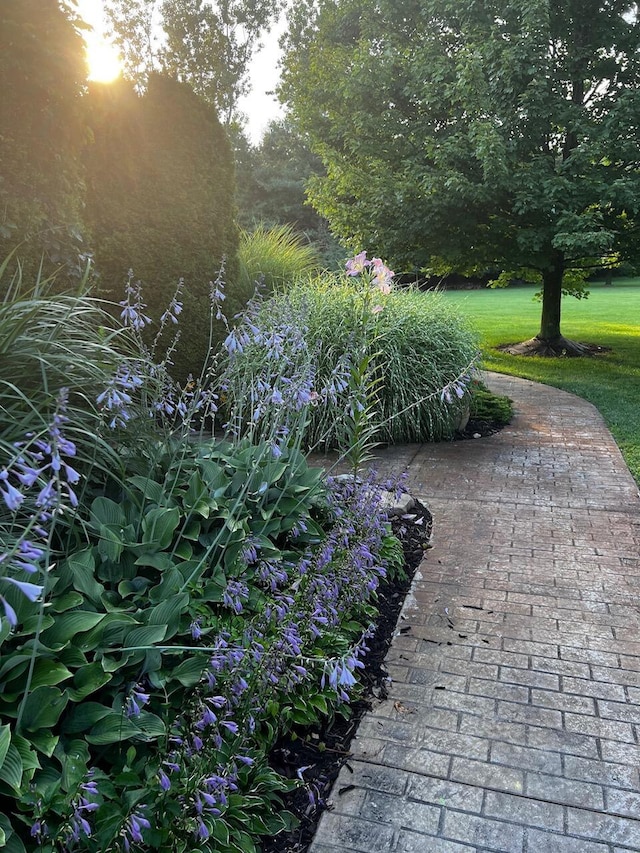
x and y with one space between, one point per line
609 317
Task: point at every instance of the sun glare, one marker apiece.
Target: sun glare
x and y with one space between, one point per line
104 61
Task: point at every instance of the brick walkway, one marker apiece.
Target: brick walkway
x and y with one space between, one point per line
513 718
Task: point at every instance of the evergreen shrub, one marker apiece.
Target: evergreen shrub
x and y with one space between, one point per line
160 201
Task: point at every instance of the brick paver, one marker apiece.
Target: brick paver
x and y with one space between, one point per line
513 715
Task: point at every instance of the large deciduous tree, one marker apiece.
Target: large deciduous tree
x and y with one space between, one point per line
466 135
205 43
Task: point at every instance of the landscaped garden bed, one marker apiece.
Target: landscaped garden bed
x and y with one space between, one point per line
175 606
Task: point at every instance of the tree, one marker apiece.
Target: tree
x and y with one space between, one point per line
42 131
204 43
271 186
475 135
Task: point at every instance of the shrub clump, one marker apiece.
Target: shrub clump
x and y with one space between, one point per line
487 406
408 354
271 258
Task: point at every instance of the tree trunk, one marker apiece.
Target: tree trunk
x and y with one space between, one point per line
549 340
551 301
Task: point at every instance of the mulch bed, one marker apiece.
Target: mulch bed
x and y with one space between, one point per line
323 750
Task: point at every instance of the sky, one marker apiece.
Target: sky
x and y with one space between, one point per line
259 106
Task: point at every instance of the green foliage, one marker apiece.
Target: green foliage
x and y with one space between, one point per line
487 406
476 136
273 257
271 188
120 609
49 342
414 348
160 201
173 608
207 45
42 132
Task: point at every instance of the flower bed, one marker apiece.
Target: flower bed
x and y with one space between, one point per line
172 603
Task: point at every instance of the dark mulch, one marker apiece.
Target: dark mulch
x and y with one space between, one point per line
324 750
563 349
477 428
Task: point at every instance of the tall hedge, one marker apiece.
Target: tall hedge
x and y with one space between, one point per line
42 131
160 187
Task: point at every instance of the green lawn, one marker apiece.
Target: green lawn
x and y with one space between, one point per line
610 317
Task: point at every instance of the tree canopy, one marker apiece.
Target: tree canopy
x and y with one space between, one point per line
201 42
474 135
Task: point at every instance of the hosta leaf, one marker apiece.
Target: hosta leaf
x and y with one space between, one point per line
42 708
162 562
108 633
151 725
5 740
78 570
11 769
184 550
168 612
153 492
105 511
189 672
159 525
191 530
74 759
28 755
48 672
87 680
14 845
113 728
14 666
66 602
68 625
84 716
148 635
44 742
110 544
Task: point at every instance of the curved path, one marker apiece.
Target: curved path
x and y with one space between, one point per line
513 718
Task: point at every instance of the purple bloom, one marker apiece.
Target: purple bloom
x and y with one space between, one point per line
133 314
234 595
136 822
12 497
9 612
135 702
31 590
165 782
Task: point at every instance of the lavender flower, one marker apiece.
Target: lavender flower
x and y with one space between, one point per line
12 497
135 702
133 314
235 594
132 830
9 612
